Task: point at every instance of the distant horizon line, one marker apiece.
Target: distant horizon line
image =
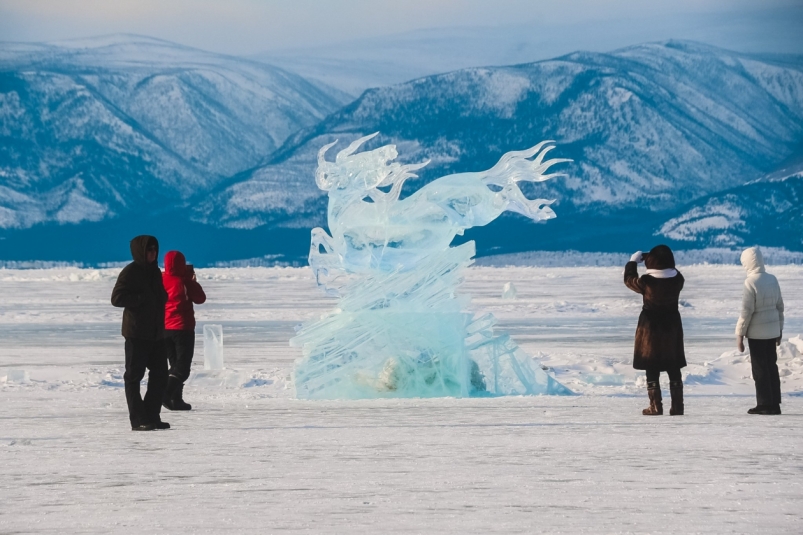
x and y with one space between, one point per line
60 43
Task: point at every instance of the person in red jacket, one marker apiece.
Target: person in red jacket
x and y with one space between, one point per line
182 291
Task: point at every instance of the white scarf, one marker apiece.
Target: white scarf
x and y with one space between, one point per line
662 273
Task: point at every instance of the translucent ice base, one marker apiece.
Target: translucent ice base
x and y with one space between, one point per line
404 334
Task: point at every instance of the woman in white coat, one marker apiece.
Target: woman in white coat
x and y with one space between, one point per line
761 321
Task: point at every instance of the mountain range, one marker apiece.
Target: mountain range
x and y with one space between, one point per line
674 141
769 210
103 127
650 128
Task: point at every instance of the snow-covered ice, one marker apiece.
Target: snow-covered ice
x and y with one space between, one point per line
249 456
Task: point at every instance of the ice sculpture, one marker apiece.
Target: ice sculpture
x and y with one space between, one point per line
213 347
401 329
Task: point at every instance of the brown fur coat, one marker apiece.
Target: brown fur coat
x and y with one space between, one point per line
659 336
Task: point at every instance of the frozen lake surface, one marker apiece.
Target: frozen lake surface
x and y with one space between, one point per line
250 457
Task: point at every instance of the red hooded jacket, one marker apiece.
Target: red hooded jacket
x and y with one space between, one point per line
182 292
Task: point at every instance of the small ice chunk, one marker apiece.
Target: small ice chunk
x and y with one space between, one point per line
797 341
788 351
213 347
18 377
604 379
508 291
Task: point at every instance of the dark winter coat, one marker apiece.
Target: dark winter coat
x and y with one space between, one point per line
659 336
140 291
182 292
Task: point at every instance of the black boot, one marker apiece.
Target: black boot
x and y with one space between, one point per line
676 391
764 409
173 394
170 392
143 427
178 401
656 408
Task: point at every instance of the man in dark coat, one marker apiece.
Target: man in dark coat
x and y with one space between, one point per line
140 291
659 336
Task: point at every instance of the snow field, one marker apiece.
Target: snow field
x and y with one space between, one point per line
250 457
585 464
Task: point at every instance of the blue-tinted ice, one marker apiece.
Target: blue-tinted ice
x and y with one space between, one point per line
213 347
401 329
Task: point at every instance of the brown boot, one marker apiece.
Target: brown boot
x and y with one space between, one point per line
656 408
676 391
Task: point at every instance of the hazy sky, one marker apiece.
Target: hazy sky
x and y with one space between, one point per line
251 26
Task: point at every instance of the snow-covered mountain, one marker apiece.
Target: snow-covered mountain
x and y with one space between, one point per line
106 126
650 127
768 211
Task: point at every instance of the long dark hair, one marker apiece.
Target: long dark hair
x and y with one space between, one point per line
660 257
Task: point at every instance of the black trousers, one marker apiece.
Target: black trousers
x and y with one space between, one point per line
180 350
141 355
653 374
763 359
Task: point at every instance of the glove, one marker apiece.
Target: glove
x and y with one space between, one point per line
637 257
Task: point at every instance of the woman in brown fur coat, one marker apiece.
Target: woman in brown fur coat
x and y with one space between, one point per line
659 336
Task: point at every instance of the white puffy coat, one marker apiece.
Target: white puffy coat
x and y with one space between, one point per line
762 304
